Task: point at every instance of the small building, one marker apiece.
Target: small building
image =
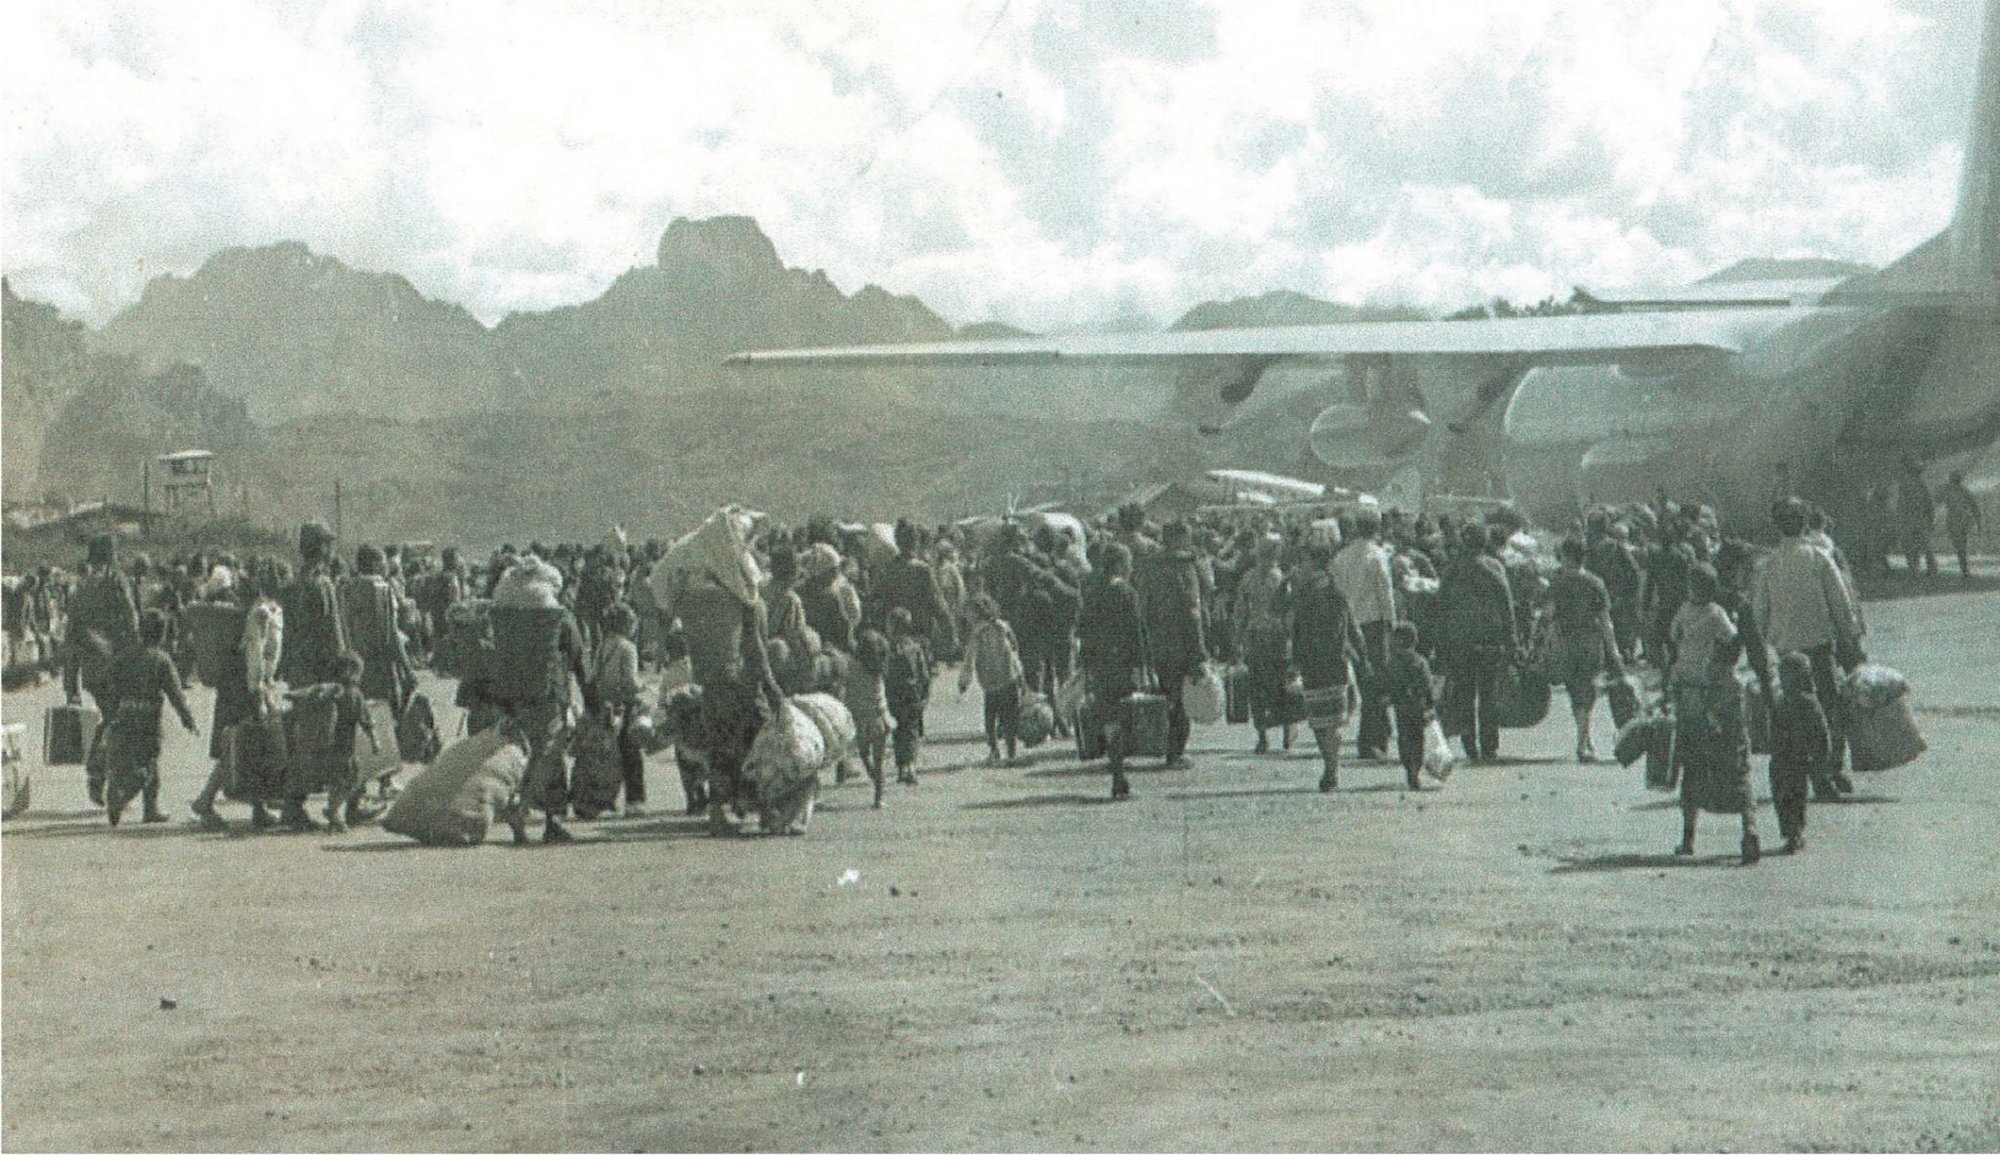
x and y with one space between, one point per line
187 482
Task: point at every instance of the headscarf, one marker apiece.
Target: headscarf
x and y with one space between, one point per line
717 549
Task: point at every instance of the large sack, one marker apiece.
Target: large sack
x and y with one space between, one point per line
1523 698
596 775
1037 721
67 735
835 722
454 801
1202 697
254 760
788 749
1885 737
214 631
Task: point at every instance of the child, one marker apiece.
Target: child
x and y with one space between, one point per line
1407 681
616 688
906 683
1800 747
350 713
141 679
867 701
992 654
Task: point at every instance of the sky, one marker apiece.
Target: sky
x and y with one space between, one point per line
1047 163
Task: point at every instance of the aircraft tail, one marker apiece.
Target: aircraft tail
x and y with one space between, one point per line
1975 229
1961 265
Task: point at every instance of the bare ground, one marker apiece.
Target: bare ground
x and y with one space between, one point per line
1228 961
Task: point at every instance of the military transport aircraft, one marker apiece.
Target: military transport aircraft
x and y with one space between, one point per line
1732 392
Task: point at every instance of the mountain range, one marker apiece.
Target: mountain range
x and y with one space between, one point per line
297 369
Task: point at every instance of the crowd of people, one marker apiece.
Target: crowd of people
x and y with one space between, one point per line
1367 614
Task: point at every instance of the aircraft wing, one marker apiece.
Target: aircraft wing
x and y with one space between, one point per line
1597 338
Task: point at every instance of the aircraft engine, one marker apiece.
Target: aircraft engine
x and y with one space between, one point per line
1356 436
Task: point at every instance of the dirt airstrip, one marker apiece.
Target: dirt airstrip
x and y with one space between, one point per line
1004 960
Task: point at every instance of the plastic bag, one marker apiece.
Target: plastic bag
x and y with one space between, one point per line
1438 760
1037 722
1070 695
1201 697
1872 687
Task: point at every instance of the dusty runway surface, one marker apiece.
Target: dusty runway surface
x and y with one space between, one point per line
1230 960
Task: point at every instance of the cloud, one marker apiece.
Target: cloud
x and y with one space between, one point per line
1043 162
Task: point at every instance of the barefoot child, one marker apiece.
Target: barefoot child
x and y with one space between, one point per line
350 713
867 701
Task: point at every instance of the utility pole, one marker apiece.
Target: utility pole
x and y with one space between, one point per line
336 509
146 498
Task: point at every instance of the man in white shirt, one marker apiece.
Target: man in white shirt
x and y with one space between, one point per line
1804 604
1364 572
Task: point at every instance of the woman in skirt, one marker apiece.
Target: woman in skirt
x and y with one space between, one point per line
1325 643
1710 741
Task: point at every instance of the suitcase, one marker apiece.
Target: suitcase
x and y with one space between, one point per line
68 732
254 761
1623 695
1885 737
1236 695
1662 767
1146 726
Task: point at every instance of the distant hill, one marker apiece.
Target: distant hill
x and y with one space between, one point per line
1284 307
717 287
45 361
291 332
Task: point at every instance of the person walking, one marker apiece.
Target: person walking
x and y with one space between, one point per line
1365 572
1961 517
1585 643
140 680
1477 640
1803 603
1111 636
1327 645
1175 639
1710 741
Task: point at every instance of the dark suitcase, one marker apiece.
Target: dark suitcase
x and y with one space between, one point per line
1236 695
254 761
1623 695
310 764
67 735
1146 726
372 767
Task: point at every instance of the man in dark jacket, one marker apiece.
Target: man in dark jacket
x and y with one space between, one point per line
909 583
1476 640
1177 643
103 620
1112 634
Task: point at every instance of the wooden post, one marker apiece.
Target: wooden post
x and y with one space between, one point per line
336 509
146 498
